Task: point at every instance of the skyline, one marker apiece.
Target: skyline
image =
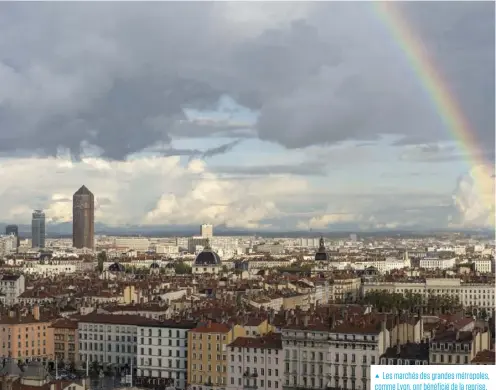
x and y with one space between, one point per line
242 119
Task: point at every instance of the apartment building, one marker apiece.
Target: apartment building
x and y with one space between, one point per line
306 353
255 362
433 262
11 286
355 346
163 354
207 354
65 339
458 347
344 289
26 336
475 294
338 355
110 340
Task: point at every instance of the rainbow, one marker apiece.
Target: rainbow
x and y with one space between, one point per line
444 101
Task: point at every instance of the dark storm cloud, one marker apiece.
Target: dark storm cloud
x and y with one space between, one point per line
118 76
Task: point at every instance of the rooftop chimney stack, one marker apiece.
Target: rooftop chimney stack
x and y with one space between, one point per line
36 312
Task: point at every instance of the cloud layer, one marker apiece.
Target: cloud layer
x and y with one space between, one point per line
117 85
120 76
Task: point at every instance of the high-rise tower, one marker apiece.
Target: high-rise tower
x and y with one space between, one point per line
38 229
13 229
83 219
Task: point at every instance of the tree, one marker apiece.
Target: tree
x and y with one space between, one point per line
102 258
182 268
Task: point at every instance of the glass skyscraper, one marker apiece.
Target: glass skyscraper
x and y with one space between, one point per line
38 229
13 229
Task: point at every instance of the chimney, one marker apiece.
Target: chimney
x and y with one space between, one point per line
332 322
209 324
305 321
36 312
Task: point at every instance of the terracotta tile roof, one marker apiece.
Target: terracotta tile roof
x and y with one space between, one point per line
118 319
484 357
269 341
212 327
64 323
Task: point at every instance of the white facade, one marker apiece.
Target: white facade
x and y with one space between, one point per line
163 353
110 340
337 359
139 244
437 263
206 231
50 269
12 286
479 295
258 364
484 266
166 249
8 244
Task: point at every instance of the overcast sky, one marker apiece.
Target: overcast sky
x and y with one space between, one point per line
251 115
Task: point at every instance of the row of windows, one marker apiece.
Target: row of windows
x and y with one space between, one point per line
450 359
254 359
200 357
108 328
159 352
163 333
91 336
162 363
254 370
209 336
100 347
218 368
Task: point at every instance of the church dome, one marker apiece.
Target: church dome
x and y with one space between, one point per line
207 257
321 254
116 267
154 265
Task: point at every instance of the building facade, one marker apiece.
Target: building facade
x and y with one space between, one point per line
13 229
255 362
110 340
163 354
26 336
38 229
65 339
207 354
12 286
83 219
206 230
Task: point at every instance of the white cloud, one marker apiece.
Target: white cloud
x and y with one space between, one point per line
152 190
474 198
323 221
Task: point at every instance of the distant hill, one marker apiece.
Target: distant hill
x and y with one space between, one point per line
64 229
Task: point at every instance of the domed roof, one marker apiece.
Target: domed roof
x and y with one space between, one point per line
116 267
321 254
154 265
207 256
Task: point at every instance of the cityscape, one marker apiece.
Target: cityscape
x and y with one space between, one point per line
238 312
247 196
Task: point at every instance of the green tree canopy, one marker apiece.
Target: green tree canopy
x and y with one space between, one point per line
182 268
